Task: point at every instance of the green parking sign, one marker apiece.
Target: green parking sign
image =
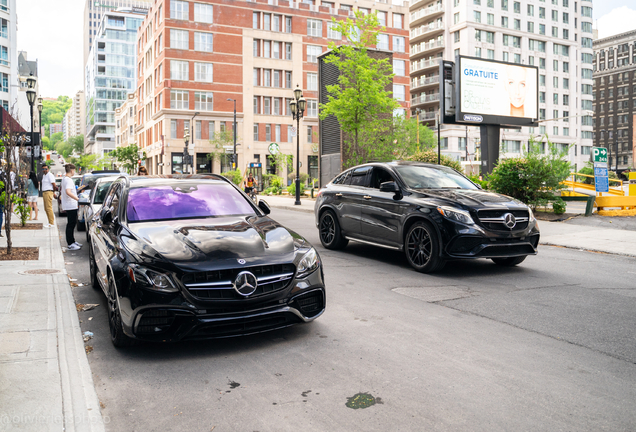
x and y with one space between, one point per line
599 154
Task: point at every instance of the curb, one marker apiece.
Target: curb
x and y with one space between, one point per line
80 403
293 208
586 249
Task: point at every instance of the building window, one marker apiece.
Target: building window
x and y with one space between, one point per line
383 42
398 92
399 67
456 36
256 132
203 72
179 70
312 108
332 33
314 28
256 20
267 78
203 42
267 22
288 25
173 129
290 138
203 13
313 51
312 81
398 21
288 51
288 79
490 19
179 39
178 9
179 99
477 16
398 44
504 5
490 54
381 18
203 101
268 132
456 18
477 52
267 105
504 22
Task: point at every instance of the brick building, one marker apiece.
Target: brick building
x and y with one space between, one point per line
200 57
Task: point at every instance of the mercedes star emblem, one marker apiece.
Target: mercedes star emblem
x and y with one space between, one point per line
245 283
241 261
509 220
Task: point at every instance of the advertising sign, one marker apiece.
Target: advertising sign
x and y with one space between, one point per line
496 93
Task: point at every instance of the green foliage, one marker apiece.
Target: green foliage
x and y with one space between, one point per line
64 148
559 206
53 111
56 137
303 177
275 184
430 156
360 101
291 189
21 208
587 169
128 156
77 142
533 178
90 162
46 143
475 179
402 139
234 176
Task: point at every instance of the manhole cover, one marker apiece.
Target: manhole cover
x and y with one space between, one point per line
40 272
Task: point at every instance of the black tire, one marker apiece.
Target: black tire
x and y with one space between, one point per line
81 226
329 231
422 247
117 335
509 262
93 267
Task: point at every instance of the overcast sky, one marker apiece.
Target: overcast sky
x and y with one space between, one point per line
51 32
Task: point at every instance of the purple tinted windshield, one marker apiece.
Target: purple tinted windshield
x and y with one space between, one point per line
180 200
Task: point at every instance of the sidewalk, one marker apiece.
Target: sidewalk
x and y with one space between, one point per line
45 379
597 239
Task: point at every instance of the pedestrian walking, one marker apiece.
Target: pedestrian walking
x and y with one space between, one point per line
32 194
69 205
48 189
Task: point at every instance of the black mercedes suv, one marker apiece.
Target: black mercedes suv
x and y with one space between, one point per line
193 257
431 212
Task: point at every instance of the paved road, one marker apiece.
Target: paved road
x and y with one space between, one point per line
543 347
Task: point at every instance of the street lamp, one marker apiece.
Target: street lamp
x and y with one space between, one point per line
31 94
297 107
186 138
192 142
40 107
234 161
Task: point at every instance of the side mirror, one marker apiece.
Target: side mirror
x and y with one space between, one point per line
264 207
389 187
107 215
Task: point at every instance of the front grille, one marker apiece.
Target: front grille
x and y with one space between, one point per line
155 321
310 304
466 244
504 251
243 326
218 284
494 219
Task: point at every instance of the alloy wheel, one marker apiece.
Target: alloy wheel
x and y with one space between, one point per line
419 245
327 228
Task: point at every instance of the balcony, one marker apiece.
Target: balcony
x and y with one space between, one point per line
425 13
420 65
424 99
428 117
426 30
424 81
425 47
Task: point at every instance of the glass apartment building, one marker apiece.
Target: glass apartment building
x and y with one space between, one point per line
110 76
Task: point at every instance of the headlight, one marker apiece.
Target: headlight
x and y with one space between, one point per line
151 279
308 264
456 215
530 214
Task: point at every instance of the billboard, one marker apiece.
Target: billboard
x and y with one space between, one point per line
496 93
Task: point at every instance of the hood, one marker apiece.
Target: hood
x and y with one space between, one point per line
473 198
203 244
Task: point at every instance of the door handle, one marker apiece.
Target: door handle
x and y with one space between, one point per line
338 195
367 197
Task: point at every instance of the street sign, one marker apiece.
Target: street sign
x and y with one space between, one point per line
293 131
599 154
601 179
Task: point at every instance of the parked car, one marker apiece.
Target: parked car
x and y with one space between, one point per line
91 201
76 180
86 185
192 257
431 212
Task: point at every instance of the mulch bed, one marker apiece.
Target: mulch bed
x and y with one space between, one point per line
28 226
551 217
20 254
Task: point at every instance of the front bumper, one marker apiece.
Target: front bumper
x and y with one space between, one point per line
302 301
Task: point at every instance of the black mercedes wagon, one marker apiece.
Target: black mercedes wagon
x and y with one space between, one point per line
431 212
192 257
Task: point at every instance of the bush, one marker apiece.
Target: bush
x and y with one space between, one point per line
475 179
533 178
430 156
234 176
558 205
303 177
586 170
22 209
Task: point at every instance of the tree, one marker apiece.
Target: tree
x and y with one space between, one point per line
360 101
56 137
218 141
53 111
64 148
404 136
128 156
77 142
46 143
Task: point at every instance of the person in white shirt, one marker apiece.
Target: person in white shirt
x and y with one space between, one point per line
48 189
69 205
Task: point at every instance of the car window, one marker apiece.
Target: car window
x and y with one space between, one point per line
343 178
183 200
101 191
422 177
360 176
379 176
109 198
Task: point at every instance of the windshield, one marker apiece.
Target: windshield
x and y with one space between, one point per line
101 191
181 200
419 177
